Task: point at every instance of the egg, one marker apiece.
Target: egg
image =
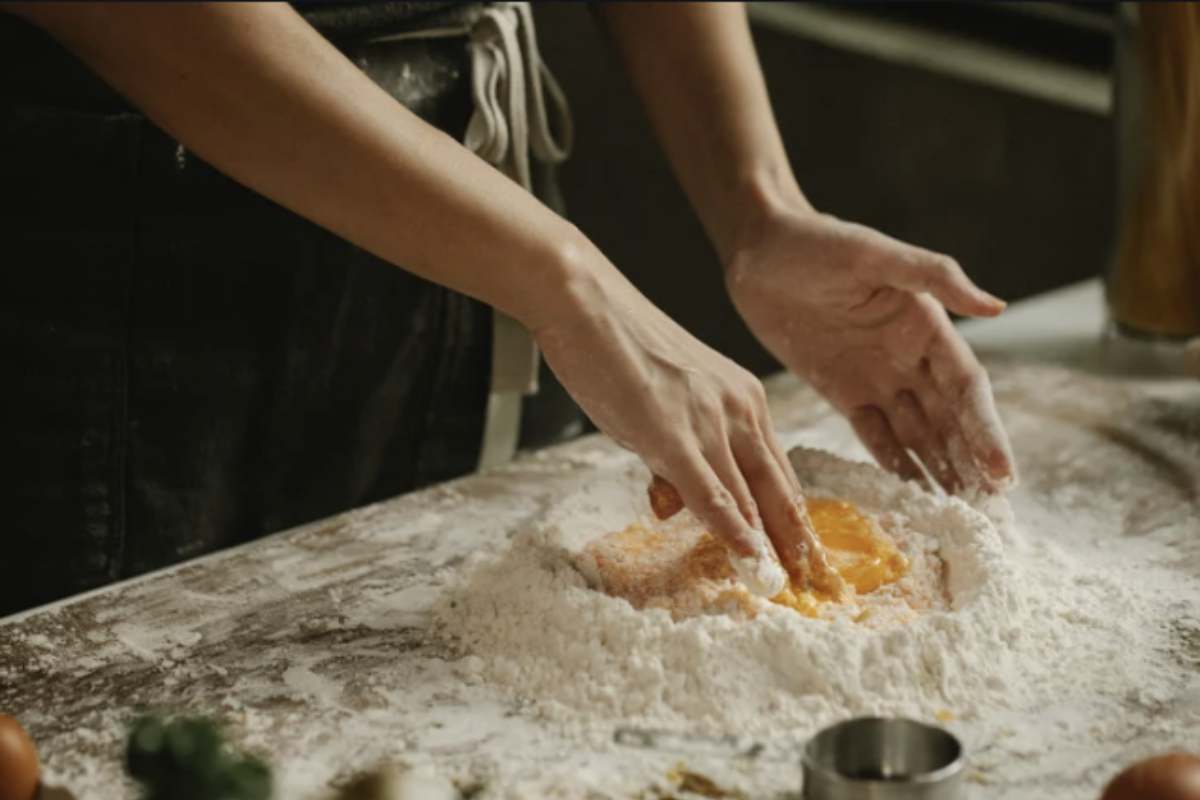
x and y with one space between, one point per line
18 761
1174 776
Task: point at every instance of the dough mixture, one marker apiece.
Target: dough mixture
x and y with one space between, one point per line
892 571
593 618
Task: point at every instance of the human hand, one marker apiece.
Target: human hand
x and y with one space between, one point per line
696 418
862 317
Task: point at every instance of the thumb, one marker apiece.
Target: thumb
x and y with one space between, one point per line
941 276
664 498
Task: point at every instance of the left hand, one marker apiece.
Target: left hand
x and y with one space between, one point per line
862 317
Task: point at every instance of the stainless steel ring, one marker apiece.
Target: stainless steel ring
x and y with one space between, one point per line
879 758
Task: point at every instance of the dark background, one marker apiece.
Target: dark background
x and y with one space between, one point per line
1020 189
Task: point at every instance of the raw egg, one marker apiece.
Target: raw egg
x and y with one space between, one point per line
856 551
676 569
18 761
1174 776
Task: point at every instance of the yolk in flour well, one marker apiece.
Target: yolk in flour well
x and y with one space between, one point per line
680 569
856 550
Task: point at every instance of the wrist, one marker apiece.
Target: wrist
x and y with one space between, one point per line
762 197
569 281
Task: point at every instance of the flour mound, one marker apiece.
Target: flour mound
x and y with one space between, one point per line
966 541
1024 628
529 622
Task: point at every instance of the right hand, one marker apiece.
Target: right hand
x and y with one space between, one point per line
696 418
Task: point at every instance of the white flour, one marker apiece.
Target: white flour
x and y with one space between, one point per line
1029 628
1073 649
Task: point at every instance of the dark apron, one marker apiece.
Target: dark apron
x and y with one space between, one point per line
189 365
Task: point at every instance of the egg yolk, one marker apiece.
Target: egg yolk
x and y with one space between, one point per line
863 558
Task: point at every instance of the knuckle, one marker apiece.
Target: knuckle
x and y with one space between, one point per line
757 393
946 265
741 410
713 502
931 318
942 269
708 407
968 381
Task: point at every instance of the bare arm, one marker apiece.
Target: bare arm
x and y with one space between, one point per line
257 92
695 68
254 90
857 313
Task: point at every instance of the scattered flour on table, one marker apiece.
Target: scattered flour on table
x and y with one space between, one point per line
1079 652
1025 626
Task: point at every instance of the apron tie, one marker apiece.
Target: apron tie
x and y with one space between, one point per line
511 123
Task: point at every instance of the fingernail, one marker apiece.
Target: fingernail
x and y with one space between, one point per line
995 301
1002 468
761 572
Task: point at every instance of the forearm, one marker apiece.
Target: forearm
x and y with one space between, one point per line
254 90
695 68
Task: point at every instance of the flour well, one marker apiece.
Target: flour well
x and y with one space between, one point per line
1020 629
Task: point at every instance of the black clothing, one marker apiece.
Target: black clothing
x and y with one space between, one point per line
189 364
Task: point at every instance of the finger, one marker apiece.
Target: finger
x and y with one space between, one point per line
965 388
915 431
706 496
876 434
917 270
766 431
665 501
986 436
783 510
945 422
776 499
720 457
795 539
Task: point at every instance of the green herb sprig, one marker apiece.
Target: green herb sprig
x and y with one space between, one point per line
186 758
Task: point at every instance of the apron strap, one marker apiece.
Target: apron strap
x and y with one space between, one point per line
510 86
511 122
